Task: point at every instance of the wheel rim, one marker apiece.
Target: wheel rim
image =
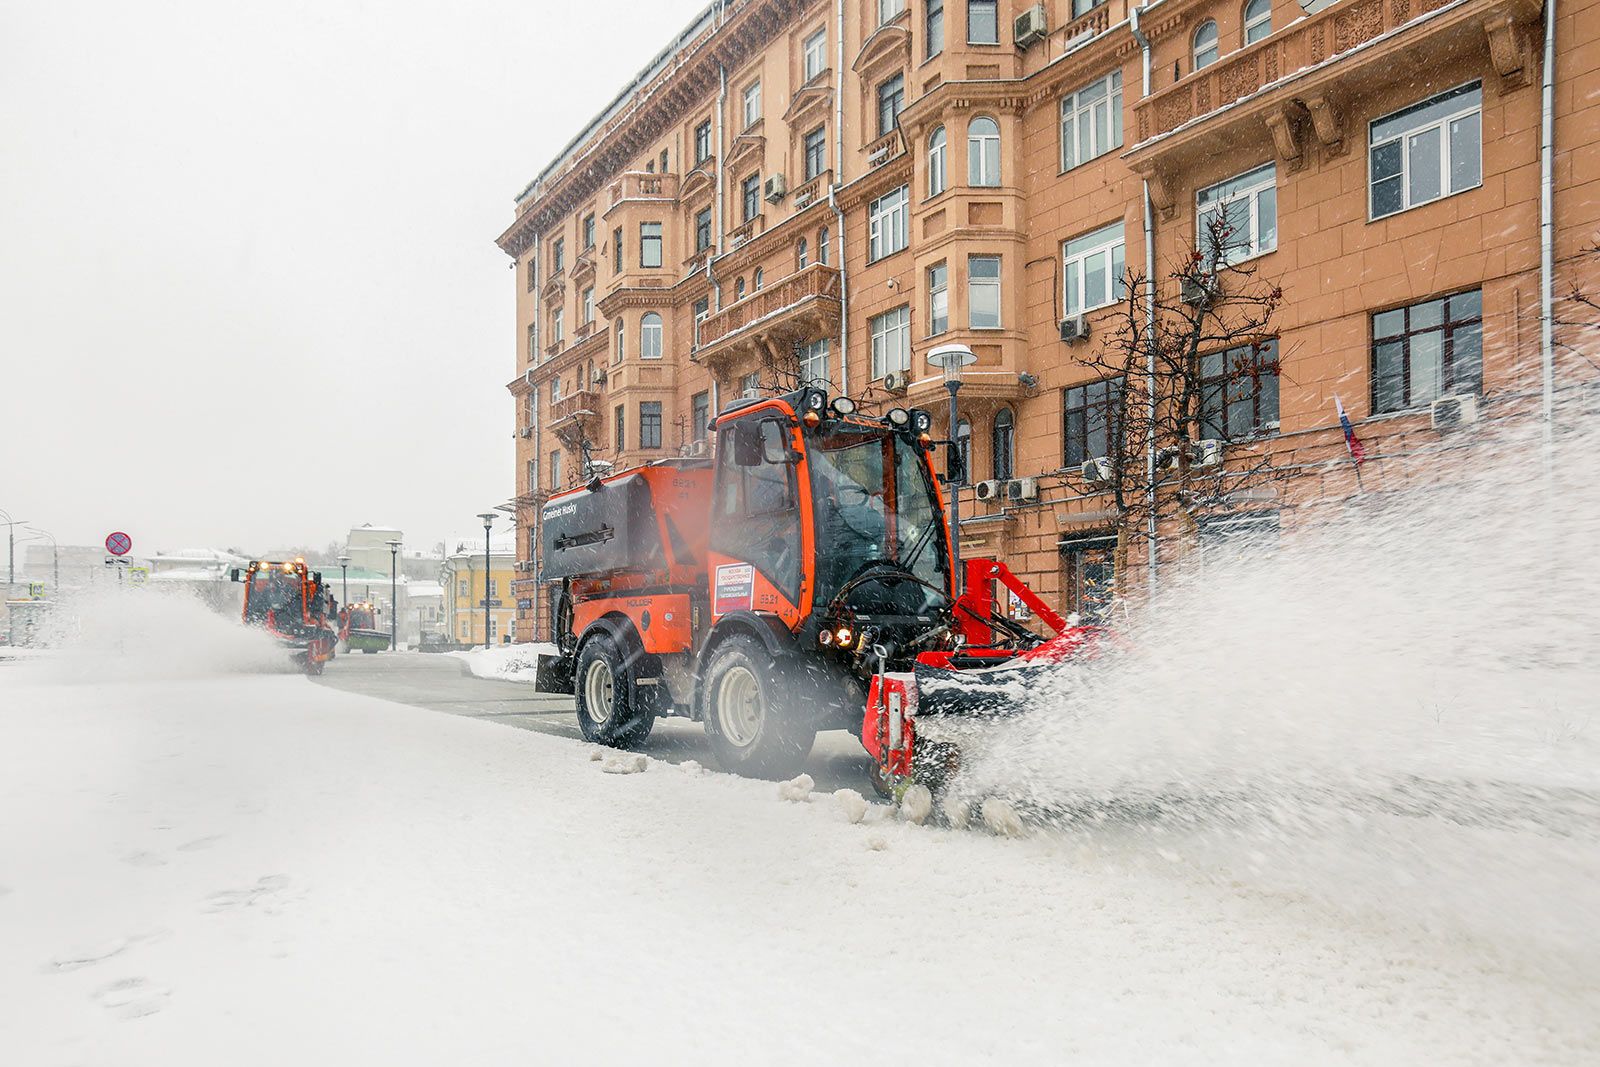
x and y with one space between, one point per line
597 691
740 709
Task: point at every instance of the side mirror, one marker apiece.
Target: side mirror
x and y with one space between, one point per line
747 450
234 574
955 472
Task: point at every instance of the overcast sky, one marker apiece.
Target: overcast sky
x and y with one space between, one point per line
250 290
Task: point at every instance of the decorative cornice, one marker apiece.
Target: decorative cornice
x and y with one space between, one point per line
889 41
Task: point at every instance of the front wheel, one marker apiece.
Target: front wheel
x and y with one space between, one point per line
755 718
607 712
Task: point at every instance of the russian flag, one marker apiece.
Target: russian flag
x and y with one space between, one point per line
1358 451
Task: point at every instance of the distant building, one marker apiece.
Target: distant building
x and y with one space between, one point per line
464 593
368 547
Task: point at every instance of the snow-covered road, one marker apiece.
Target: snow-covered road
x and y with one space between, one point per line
254 869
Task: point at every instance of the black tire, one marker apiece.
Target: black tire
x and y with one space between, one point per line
755 719
603 686
368 651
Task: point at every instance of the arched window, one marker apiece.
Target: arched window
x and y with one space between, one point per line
650 336
756 279
1003 443
983 151
822 246
1257 20
964 446
936 161
1205 44
738 289
616 356
800 254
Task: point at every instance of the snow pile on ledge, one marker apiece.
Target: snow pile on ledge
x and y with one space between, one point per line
509 663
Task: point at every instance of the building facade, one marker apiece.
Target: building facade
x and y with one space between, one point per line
804 191
467 587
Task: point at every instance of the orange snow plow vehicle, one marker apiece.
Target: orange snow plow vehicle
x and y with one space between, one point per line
290 602
766 592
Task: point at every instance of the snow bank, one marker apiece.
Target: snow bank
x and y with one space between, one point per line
511 663
261 870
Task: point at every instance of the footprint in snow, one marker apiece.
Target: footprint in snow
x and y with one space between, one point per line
132 998
261 895
90 955
199 843
145 859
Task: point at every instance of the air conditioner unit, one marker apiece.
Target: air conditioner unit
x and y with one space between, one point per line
527 432
1167 459
1198 291
1019 490
698 449
1206 452
1030 26
1453 412
527 377
989 490
896 381
1098 471
1075 329
776 189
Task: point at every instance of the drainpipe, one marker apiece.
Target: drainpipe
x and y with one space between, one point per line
722 98
1150 314
833 200
1547 223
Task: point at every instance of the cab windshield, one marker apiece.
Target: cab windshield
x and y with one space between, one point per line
875 502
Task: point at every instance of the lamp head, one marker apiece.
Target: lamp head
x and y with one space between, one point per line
952 358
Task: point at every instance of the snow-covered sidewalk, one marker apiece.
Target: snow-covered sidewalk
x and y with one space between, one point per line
510 663
259 870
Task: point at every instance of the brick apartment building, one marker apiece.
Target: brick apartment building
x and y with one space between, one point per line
828 190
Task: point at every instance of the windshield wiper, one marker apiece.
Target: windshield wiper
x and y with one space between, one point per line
916 549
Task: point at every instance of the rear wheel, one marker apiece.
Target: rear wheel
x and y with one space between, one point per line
603 685
755 722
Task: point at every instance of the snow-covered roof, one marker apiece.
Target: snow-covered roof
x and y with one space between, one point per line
200 555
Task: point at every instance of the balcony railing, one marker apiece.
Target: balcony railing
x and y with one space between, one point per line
573 405
813 190
814 284
643 185
884 149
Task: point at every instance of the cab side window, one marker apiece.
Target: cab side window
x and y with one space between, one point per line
757 516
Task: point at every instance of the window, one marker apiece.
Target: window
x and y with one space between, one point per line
983 22
588 305
891 98
555 390
699 416
533 272
1083 7
1427 350
557 331
983 292
1091 121
649 166
800 252
886 224
1244 212
983 151
1205 44
650 336
891 341
702 142
463 588
1239 392
934 25
813 361
1088 420
756 279
1257 20
1430 150
750 384
702 230
738 289
616 249
702 308
1093 269
1002 443
649 244
938 299
822 246
619 349
752 104
750 196
533 474
558 255
588 231
1089 573
533 342
663 161
816 152
888 9
555 469
814 55
964 446
650 424
619 419
936 171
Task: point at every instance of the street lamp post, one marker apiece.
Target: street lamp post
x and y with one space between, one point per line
11 545
953 358
488 518
344 578
394 594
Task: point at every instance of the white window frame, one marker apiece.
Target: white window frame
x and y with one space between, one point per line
1257 26
1250 185
751 104
1472 107
588 304
819 150
558 332
938 176
994 9
888 10
813 362
888 224
650 336
938 299
975 283
814 55
1202 55
1101 111
1108 241
983 153
891 341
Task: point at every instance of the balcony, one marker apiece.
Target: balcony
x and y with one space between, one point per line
801 307
573 417
1300 83
884 149
747 232
642 185
813 190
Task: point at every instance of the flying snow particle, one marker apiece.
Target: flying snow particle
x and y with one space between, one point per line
1001 818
